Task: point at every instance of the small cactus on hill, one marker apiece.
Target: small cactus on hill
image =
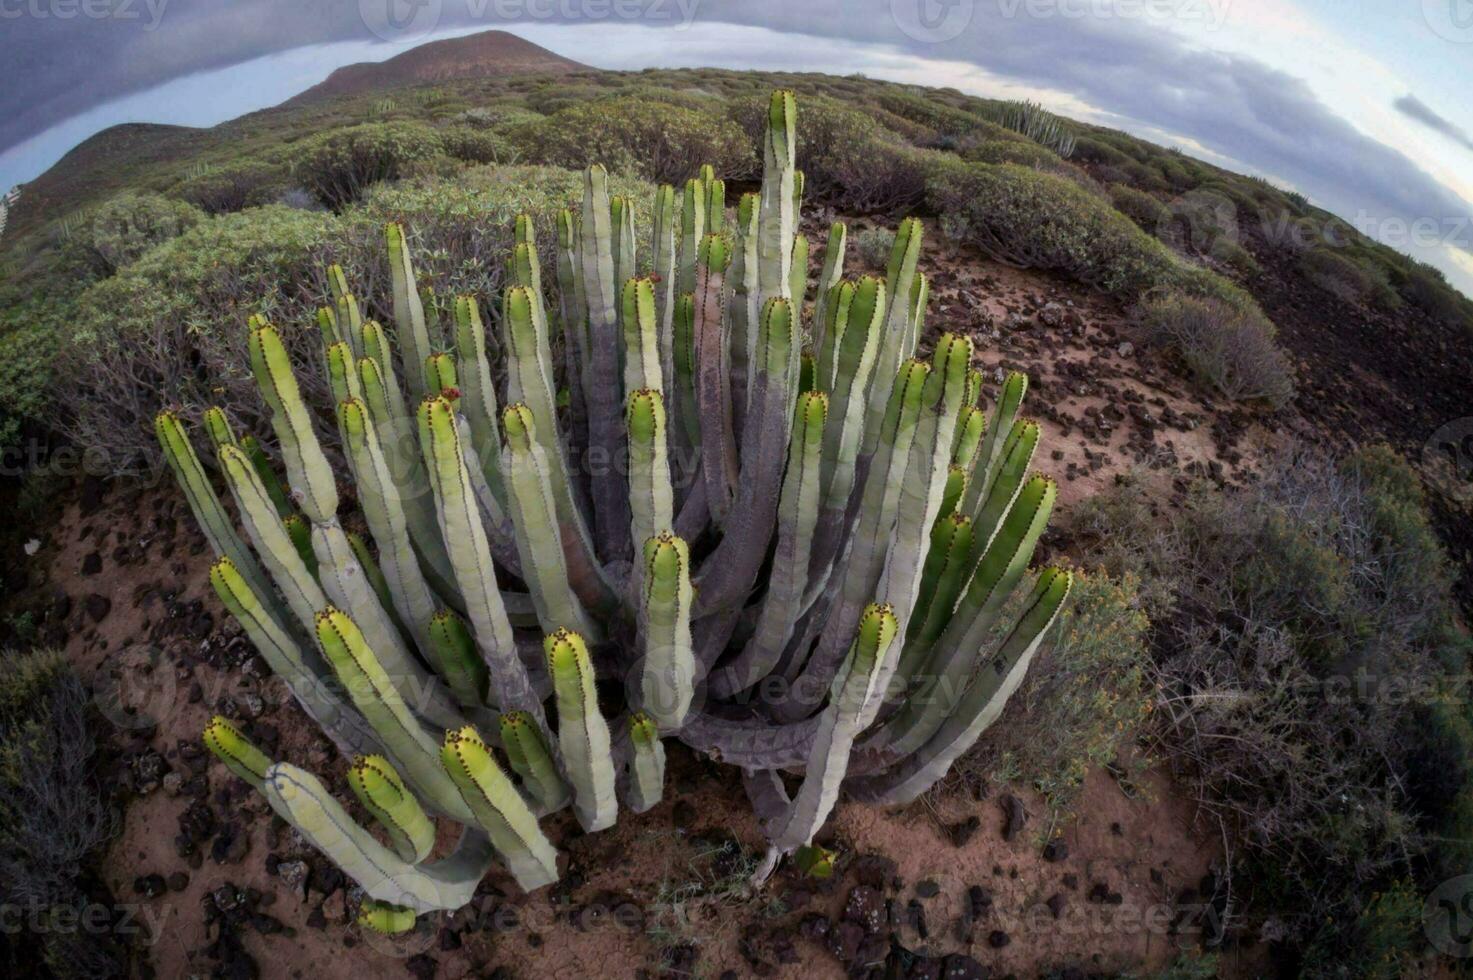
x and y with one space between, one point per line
790 545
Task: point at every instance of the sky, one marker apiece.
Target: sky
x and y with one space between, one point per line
1362 105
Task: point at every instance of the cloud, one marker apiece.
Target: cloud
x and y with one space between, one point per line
1414 108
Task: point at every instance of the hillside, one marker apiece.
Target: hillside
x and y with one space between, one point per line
489 54
98 166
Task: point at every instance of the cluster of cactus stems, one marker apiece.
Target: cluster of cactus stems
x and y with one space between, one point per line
792 541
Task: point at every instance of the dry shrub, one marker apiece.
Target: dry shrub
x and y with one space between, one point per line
1227 347
1303 648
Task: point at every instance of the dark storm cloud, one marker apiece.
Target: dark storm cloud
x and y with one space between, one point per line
1141 77
1414 108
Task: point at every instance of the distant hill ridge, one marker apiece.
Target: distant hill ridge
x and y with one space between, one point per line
485 55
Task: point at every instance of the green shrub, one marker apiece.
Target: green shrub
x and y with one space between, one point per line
1146 211
169 329
1302 659
1087 150
1086 704
659 141
872 246
1011 151
1035 220
1426 288
1231 349
26 395
1349 279
122 229
220 190
1236 257
339 166
1384 941
476 145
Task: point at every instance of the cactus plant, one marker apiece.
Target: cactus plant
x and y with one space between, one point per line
519 559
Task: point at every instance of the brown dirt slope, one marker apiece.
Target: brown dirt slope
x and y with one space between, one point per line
483 55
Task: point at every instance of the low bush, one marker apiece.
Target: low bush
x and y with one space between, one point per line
220 190
339 166
122 229
1304 642
872 246
476 145
53 820
1084 704
658 141
1236 257
1011 151
1229 348
1035 220
169 330
1427 289
1346 278
1145 210
1087 150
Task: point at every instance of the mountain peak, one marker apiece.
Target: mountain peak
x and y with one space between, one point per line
484 55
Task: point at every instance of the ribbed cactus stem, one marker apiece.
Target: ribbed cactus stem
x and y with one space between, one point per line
829 277
478 392
378 700
378 498
605 399
536 526
299 798
454 652
797 518
999 431
644 780
470 557
300 532
236 751
499 809
303 669
409 311
382 917
778 220
651 499
383 794
642 367
342 372
308 471
583 734
692 233
663 244
253 449
204 503
668 675
852 692
532 762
